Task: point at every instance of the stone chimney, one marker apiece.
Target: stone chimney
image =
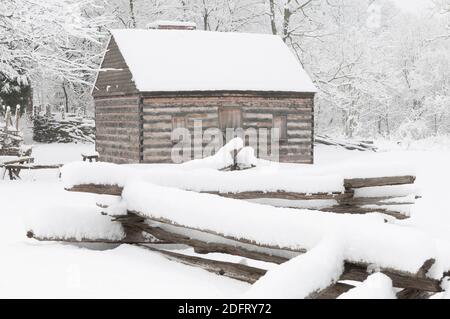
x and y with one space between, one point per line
172 25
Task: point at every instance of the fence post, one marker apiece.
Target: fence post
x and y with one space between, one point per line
17 115
63 112
7 118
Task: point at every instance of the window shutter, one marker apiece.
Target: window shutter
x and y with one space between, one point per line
280 122
230 118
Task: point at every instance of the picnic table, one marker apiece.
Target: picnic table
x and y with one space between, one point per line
14 167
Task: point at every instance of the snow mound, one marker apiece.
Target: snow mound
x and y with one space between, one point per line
303 275
77 173
246 158
73 222
222 159
376 286
118 209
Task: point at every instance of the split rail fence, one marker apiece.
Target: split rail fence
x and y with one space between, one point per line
154 233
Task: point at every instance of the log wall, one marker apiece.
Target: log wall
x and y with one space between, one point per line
258 111
118 129
114 78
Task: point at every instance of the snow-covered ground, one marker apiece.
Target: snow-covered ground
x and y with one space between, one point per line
48 270
33 269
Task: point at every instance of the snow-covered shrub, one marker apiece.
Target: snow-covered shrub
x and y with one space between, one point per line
63 130
413 130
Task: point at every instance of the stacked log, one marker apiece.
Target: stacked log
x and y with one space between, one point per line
10 143
48 129
349 145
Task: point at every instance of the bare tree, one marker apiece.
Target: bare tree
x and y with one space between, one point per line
222 15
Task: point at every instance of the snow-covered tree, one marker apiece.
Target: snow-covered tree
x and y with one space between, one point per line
43 37
223 15
378 68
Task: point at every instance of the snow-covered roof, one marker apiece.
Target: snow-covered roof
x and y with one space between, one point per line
179 60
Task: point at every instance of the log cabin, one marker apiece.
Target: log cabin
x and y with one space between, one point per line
152 81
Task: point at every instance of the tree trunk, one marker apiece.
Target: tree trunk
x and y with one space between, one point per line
286 22
205 20
435 125
388 127
66 97
379 126
132 15
273 23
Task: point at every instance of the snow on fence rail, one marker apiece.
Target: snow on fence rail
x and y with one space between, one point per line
275 187
201 180
316 270
62 222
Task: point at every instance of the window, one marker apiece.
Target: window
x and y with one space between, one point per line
178 122
280 122
230 118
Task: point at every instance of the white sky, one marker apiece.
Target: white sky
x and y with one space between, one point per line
413 5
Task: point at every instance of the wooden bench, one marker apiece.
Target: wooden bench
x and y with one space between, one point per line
90 157
17 161
14 167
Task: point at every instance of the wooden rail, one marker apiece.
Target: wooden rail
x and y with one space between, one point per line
378 181
100 189
284 195
32 166
15 169
413 285
353 271
20 160
347 203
